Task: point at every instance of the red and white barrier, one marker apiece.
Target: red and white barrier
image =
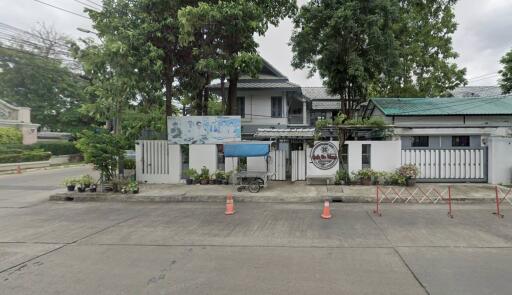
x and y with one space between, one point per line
418 195
506 197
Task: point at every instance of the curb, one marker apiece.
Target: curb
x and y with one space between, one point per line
117 197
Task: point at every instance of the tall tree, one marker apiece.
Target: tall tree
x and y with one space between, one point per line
36 72
225 32
506 73
350 43
147 32
427 65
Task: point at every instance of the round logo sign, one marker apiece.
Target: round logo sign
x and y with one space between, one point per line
324 155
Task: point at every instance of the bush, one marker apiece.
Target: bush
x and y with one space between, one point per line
25 156
10 135
129 164
408 171
57 148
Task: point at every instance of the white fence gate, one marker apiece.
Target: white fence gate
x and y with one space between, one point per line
157 161
277 165
448 164
298 165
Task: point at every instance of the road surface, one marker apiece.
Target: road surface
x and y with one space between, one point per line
193 248
33 187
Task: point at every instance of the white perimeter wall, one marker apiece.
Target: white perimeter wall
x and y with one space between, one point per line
385 155
500 160
203 155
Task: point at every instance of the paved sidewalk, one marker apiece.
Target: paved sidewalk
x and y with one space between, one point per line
297 192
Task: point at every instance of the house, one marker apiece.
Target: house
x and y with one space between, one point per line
465 139
18 117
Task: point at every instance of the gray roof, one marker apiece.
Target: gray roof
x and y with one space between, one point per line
477 91
318 93
285 133
261 84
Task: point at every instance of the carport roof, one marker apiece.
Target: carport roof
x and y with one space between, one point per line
446 106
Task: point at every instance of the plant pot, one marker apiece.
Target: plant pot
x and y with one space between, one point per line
71 188
81 189
92 188
135 191
218 181
204 181
366 181
410 182
189 181
225 182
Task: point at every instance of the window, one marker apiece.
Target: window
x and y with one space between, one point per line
366 156
241 106
460 140
344 157
420 141
277 107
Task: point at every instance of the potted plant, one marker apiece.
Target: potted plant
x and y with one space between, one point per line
342 177
365 176
204 176
227 177
93 188
219 177
133 187
191 175
70 183
409 172
86 181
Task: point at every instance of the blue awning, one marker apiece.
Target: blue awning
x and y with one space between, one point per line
246 150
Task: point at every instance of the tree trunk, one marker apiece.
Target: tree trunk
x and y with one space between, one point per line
223 93
168 97
206 96
232 106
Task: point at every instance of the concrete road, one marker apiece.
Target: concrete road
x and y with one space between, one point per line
33 187
193 248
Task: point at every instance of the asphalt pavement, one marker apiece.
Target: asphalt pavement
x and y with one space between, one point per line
33 187
265 248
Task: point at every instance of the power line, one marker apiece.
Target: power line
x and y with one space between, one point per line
38 55
89 6
62 9
14 29
92 2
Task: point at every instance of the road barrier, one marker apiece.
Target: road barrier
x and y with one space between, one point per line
419 195
499 200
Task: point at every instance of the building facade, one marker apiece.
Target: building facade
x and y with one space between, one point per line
19 118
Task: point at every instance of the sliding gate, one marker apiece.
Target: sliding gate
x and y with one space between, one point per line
448 165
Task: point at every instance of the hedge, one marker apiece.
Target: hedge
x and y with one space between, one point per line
10 135
57 148
27 156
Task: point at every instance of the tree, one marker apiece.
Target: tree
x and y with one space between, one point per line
506 73
224 33
146 32
426 56
36 72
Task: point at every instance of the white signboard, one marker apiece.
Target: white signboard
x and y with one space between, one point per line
203 129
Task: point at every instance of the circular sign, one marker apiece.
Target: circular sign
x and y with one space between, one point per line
324 155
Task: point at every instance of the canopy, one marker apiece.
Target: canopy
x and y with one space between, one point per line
246 149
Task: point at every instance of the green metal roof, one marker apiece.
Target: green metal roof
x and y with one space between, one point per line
445 106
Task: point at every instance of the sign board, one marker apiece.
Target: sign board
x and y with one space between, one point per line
324 155
203 129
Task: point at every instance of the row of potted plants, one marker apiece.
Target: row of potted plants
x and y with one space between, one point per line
86 182
204 176
405 175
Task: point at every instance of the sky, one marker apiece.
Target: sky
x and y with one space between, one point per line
484 34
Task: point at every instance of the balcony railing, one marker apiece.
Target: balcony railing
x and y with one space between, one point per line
295 119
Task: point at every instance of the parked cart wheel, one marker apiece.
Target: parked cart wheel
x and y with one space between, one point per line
254 186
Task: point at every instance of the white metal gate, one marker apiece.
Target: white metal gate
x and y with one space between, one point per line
298 165
448 164
157 161
277 165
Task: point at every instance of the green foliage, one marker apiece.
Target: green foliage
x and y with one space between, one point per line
68 181
364 174
85 180
220 175
408 171
342 176
427 65
57 148
395 178
25 156
204 174
371 122
52 91
133 187
10 136
506 73
350 43
191 173
322 123
102 149
129 163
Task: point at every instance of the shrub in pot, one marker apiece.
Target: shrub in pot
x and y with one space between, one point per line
409 172
219 177
133 187
365 176
191 175
86 180
93 188
204 176
80 188
70 183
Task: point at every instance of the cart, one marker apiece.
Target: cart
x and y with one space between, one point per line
253 181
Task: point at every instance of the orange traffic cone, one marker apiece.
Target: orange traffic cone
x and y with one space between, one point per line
326 214
18 169
230 206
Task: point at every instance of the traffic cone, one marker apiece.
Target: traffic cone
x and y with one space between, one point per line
230 206
326 214
18 169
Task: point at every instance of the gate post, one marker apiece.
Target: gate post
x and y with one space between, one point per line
450 201
377 211
498 204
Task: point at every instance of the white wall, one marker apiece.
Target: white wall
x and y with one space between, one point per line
312 170
258 107
203 155
500 160
258 164
385 155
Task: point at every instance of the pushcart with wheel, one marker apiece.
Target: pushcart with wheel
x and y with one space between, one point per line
251 180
